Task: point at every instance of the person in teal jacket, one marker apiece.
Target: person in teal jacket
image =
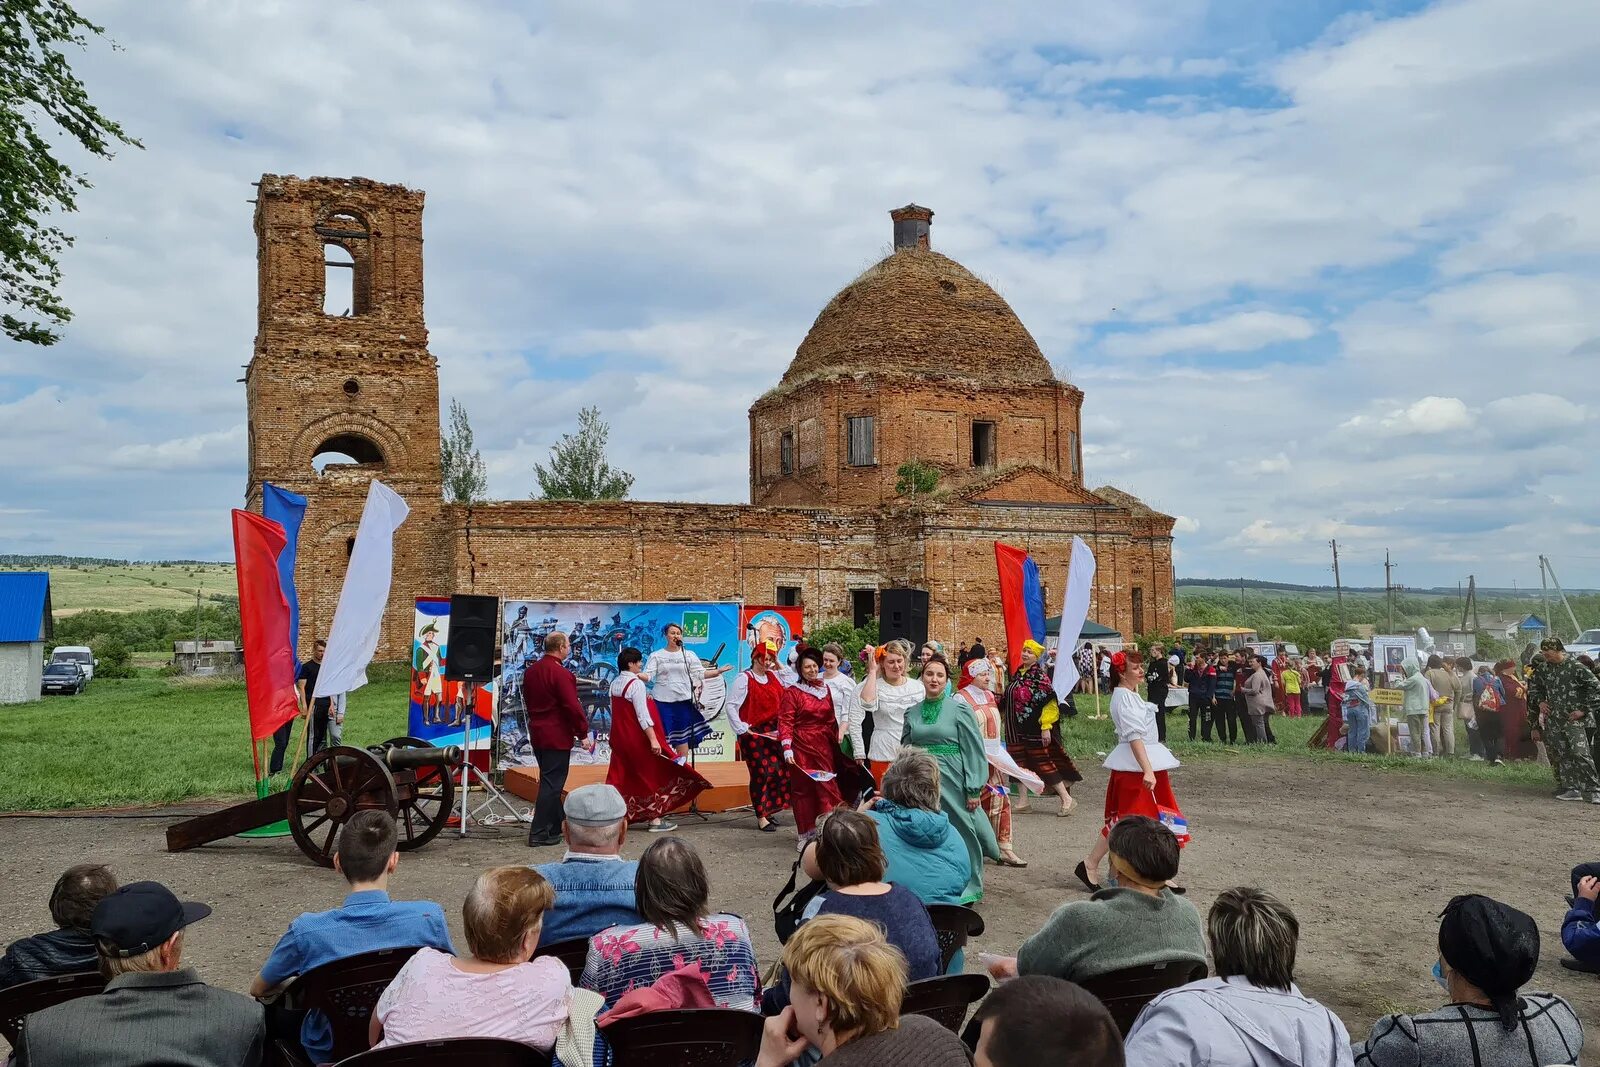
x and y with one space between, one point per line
926 855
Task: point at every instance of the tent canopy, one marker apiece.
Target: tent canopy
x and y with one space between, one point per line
1091 629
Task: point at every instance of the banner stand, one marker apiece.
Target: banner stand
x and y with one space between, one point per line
277 829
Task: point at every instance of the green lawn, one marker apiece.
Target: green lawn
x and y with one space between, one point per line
152 741
162 740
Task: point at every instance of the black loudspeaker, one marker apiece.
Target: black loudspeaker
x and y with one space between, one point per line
903 613
474 622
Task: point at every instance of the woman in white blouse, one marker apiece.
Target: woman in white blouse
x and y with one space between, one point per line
845 700
886 699
1138 766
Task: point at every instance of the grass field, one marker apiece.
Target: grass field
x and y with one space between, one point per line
136 587
163 740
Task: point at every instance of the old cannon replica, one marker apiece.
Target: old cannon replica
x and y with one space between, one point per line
403 776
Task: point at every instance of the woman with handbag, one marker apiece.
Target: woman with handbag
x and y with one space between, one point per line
1028 736
1139 784
1514 711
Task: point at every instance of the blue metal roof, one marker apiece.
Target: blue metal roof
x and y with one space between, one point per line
24 606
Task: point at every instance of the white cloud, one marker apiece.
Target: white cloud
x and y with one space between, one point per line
1244 331
1429 415
219 450
1183 524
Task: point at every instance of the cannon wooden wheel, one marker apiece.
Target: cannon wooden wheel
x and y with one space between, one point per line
431 801
328 789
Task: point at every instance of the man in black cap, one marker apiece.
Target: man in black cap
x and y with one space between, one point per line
1487 951
1566 696
153 1010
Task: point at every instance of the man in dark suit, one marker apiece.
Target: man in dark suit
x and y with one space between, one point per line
556 722
153 1010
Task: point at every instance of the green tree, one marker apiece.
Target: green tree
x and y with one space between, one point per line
578 469
916 478
853 638
40 96
114 659
465 479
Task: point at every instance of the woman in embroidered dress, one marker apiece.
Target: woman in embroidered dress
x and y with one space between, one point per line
1139 764
1026 738
671 895
810 734
975 675
945 726
885 696
642 766
753 704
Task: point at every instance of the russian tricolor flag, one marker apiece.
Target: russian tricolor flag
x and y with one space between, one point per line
1021 599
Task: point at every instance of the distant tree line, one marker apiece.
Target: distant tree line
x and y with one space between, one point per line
149 630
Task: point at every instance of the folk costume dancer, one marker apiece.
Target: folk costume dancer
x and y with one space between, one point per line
886 695
754 701
945 726
1567 696
1029 741
821 776
846 702
675 675
975 678
643 768
1139 783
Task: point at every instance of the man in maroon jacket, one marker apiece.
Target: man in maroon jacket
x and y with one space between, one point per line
556 722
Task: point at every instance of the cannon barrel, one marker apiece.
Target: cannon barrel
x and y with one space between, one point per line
401 759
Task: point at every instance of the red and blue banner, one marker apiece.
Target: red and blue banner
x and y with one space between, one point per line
269 667
289 511
1021 599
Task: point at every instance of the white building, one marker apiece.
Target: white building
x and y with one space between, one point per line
25 625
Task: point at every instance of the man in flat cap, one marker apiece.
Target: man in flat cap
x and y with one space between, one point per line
593 883
1566 696
153 1010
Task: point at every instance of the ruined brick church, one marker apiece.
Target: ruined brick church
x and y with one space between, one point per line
915 360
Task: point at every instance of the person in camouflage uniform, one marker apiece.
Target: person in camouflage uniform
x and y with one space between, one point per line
1567 695
1534 670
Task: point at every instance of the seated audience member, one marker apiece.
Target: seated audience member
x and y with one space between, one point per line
847 856
501 990
1579 931
593 883
846 986
1038 1020
1487 951
154 1010
1249 1015
922 851
367 921
1139 922
676 927
69 948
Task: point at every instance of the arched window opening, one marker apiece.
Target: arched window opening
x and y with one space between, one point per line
346 449
338 281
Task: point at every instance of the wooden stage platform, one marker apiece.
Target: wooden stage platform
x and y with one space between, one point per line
730 783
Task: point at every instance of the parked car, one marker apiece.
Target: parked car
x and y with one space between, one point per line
82 655
1585 644
62 676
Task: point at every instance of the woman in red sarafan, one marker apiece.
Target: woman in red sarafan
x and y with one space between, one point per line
754 700
821 776
644 768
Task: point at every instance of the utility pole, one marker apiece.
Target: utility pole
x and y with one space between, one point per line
1544 599
1241 601
1338 586
1562 593
1388 587
197 621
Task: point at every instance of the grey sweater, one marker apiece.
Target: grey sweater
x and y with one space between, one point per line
1115 928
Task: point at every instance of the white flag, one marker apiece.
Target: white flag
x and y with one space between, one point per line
1074 610
354 636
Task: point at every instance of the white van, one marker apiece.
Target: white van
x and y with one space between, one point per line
82 655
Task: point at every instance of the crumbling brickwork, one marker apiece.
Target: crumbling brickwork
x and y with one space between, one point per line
917 343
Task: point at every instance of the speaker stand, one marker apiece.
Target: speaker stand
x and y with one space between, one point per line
470 774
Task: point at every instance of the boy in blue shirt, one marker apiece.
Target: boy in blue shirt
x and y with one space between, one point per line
367 921
1579 932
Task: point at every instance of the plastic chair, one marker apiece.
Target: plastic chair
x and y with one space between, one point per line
573 952
20 1001
449 1052
346 991
945 999
1126 992
689 1037
954 924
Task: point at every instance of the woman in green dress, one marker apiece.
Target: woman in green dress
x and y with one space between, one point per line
945 726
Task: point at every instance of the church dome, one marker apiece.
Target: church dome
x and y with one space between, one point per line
919 313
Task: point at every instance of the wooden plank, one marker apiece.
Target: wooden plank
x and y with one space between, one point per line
227 822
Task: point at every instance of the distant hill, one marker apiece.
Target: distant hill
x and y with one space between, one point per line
79 583
1290 587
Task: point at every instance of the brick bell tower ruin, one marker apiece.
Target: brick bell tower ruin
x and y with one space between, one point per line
916 359
354 383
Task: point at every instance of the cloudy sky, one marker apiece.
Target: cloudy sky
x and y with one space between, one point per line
1324 269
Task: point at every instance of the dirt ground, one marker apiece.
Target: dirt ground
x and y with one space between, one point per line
1366 859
